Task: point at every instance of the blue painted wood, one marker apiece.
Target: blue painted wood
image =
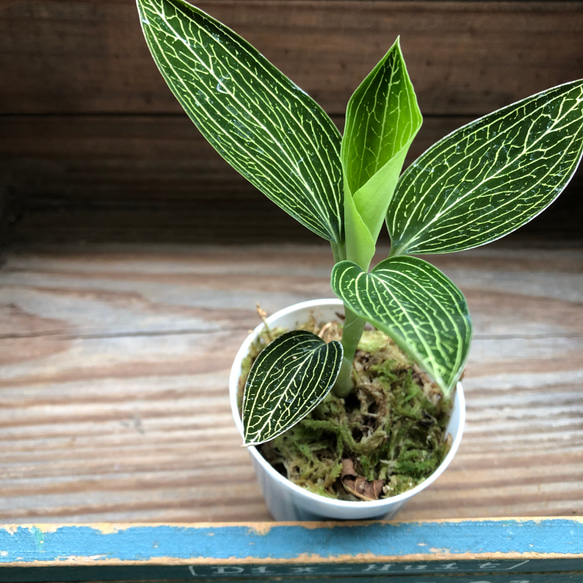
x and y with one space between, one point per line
478 551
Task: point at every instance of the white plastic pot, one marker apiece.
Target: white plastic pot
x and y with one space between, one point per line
285 500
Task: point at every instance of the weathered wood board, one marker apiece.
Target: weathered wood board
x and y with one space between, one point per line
93 147
134 178
114 365
466 58
482 551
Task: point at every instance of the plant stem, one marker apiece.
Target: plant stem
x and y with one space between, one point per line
353 328
338 251
394 251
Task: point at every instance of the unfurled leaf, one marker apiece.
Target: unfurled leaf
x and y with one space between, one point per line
289 378
382 119
266 127
417 306
491 176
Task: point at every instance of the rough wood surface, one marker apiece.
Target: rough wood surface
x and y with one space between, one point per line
114 367
136 178
94 147
73 56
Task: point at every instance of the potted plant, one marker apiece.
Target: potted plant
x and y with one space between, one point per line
474 186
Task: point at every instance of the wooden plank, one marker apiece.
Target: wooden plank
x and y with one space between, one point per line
114 364
136 178
505 551
72 56
134 169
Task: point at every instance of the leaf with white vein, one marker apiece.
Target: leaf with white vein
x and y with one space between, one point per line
491 176
417 306
289 378
382 119
258 120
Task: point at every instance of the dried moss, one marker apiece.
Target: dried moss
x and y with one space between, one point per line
392 426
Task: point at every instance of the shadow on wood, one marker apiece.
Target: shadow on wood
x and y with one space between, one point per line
95 148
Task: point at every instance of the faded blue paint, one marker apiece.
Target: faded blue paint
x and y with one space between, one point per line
429 540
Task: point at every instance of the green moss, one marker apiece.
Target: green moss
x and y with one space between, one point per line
392 426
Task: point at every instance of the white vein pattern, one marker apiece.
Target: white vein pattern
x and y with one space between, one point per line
491 176
287 380
258 120
416 305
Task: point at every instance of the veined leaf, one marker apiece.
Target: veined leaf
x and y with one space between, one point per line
417 306
382 119
289 378
491 176
258 120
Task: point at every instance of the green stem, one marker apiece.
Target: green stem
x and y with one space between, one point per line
353 329
394 251
338 251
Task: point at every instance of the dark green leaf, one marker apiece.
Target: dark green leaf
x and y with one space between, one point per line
288 379
488 178
417 306
266 127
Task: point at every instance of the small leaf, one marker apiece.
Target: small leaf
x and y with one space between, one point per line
289 378
417 306
491 176
382 119
258 120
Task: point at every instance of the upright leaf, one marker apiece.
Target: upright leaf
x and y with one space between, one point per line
491 176
289 378
382 119
417 306
266 127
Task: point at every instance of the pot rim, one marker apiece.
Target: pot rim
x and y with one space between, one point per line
459 403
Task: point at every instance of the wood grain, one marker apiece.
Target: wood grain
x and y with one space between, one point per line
93 147
114 359
140 178
114 366
72 56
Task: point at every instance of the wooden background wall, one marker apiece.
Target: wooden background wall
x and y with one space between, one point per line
93 146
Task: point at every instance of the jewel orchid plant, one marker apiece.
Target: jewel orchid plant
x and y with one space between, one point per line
474 186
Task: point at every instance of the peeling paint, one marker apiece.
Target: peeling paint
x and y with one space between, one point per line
439 551
291 543
304 560
261 528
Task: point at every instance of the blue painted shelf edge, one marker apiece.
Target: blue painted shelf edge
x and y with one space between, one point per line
260 551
